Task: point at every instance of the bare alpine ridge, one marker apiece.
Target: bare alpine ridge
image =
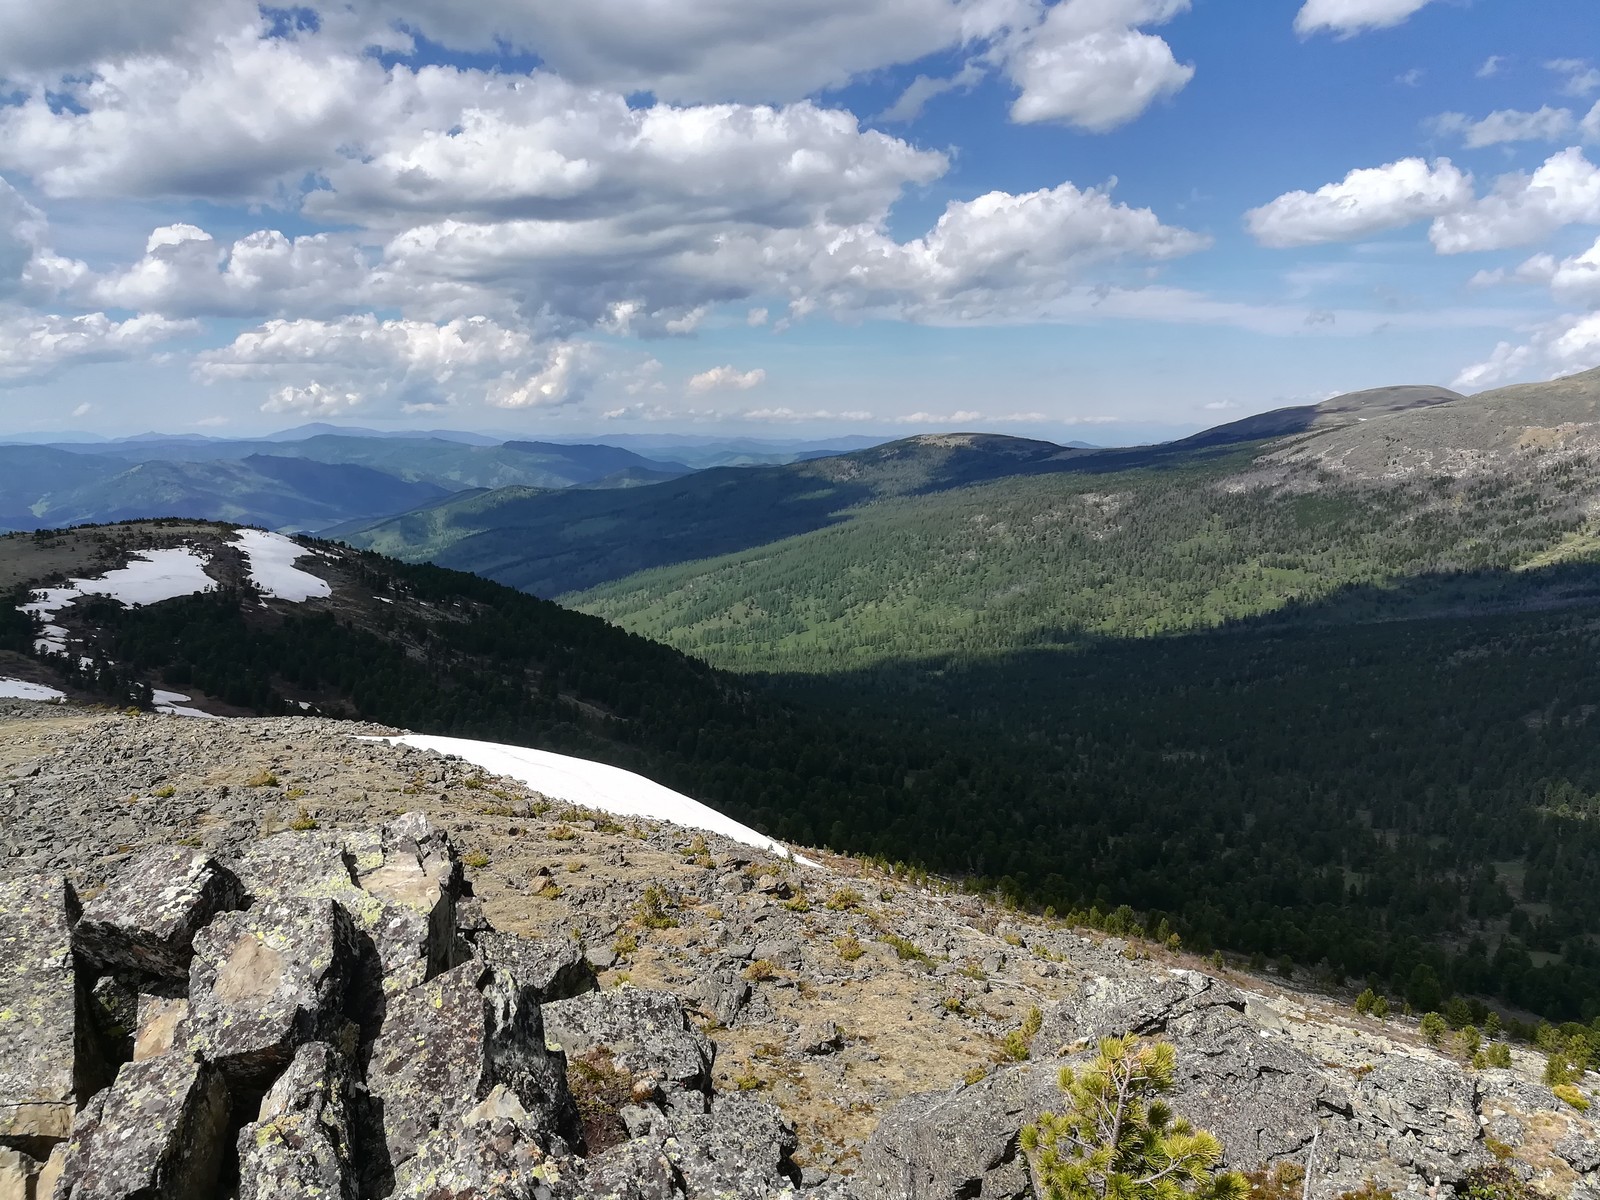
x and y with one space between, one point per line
492 995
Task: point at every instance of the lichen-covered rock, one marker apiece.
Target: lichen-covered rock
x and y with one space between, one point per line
1580 1150
447 1044
398 886
416 877
19 1175
964 1142
1416 1112
1113 1005
266 981
649 1034
300 1144
493 1152
819 1037
161 1026
740 1148
556 968
1257 1093
158 1132
637 1170
145 922
49 1056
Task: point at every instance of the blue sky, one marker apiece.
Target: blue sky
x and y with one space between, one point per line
1098 219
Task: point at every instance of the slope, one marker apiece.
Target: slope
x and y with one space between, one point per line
448 464
1411 800
281 493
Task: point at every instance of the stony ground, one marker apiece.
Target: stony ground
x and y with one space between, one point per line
837 992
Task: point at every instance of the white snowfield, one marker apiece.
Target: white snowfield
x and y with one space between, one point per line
151 576
175 704
18 689
594 785
272 557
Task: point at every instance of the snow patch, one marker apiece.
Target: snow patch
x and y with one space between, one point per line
150 577
173 704
18 689
271 558
594 785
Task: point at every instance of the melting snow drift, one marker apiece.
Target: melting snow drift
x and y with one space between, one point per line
594 785
174 704
17 689
271 558
151 576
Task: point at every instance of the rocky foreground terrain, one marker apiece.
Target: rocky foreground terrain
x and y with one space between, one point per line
263 958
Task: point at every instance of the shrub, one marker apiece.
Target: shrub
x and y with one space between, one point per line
1497 1055
1117 1140
1433 1028
1494 1182
165 792
476 859
262 779
1285 1181
562 833
303 821
1365 1001
651 911
601 1089
849 947
844 899
1569 1094
761 970
625 944
908 950
1014 1047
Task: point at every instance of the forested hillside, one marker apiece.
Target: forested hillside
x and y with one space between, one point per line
1416 801
1319 694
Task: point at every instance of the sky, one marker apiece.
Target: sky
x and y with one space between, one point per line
1097 220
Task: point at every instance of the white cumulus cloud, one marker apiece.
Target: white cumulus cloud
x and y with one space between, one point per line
1564 190
725 378
1347 17
1365 202
35 347
363 362
1090 64
1507 125
1562 347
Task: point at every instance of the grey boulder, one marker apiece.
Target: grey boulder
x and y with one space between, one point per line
300 1144
49 1056
266 981
145 922
157 1132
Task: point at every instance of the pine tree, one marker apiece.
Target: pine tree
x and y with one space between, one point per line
1117 1141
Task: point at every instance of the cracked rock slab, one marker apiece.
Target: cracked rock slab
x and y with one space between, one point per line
648 1033
158 1132
300 1144
555 968
447 1044
266 981
49 1060
145 922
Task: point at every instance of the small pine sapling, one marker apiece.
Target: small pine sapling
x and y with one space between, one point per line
1118 1141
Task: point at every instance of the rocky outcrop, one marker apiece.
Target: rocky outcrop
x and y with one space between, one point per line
331 1023
1408 1121
159 1130
649 1035
145 922
300 1144
49 1057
